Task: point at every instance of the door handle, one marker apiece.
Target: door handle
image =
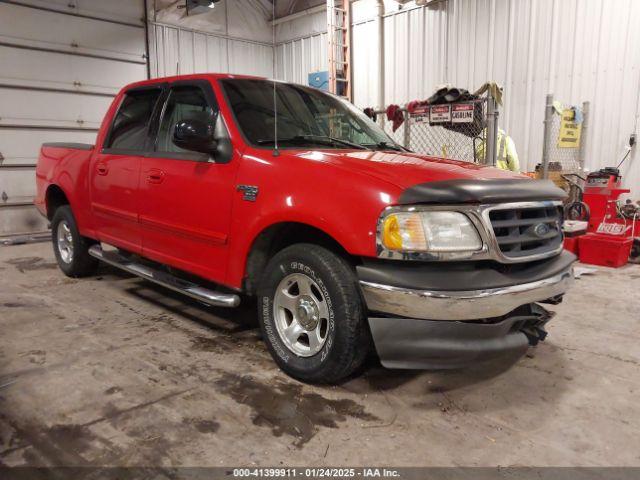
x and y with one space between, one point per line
155 176
102 169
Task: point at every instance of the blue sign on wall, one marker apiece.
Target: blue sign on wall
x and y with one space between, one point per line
319 80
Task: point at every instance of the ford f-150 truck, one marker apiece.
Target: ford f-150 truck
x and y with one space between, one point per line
225 187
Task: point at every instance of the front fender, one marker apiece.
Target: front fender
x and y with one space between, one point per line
343 203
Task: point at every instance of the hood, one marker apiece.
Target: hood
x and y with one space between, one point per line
407 169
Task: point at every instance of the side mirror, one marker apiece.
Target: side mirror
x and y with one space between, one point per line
195 135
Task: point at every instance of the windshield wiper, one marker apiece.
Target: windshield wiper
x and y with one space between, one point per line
317 139
385 146
332 140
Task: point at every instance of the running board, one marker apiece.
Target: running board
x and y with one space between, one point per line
165 279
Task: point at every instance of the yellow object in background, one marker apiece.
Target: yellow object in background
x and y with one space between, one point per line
569 136
506 156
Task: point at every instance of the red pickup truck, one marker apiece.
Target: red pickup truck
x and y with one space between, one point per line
350 243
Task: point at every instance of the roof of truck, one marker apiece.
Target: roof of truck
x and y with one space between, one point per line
194 76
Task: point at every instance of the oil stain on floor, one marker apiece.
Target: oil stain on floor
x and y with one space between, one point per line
287 410
24 264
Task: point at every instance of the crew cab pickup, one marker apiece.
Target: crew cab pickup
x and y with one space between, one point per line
227 187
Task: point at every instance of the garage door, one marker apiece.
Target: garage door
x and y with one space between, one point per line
61 63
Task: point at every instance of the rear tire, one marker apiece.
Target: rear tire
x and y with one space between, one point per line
70 248
312 315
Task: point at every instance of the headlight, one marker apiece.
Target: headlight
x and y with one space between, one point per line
429 232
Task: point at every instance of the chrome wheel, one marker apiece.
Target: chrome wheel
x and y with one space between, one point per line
301 314
65 242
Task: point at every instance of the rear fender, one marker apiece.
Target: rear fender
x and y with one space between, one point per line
70 173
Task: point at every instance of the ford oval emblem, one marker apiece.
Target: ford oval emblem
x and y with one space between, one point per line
541 230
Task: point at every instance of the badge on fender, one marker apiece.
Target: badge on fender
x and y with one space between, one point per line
249 192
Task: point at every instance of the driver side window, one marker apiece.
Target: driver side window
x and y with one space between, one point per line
184 103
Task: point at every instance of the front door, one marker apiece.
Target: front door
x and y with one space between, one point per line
185 197
115 170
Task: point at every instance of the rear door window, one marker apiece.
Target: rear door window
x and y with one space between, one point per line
130 125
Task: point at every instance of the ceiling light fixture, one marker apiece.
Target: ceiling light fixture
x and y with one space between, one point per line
195 7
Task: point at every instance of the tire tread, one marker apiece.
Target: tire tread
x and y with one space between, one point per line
83 264
355 334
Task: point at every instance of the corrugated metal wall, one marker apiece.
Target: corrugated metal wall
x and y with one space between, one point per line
233 37
577 49
295 59
580 50
62 61
176 50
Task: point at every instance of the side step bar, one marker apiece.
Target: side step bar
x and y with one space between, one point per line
165 279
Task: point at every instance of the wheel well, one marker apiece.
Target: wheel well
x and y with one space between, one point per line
279 236
55 198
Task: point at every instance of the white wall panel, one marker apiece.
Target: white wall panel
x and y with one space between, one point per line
30 27
301 47
18 183
61 63
62 109
234 37
296 59
415 53
67 72
209 53
116 10
164 54
250 58
364 62
238 19
579 50
306 26
246 19
181 51
21 146
216 58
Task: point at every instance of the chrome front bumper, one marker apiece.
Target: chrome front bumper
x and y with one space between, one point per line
462 305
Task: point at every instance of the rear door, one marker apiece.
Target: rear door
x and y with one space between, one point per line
185 197
115 169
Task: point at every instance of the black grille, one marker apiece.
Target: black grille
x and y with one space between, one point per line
526 231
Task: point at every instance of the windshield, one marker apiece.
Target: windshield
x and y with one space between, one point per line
306 117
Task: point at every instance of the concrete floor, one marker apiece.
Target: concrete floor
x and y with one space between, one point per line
112 370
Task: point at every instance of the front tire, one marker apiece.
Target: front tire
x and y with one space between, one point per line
70 248
312 314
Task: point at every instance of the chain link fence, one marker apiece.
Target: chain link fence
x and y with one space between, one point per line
453 131
468 131
562 151
399 135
